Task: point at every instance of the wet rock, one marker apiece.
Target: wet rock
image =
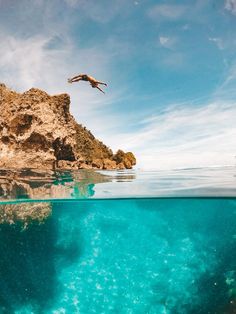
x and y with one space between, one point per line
127 159
67 165
85 166
121 166
38 131
24 213
97 163
109 164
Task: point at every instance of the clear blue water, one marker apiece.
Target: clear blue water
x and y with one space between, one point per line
125 256
172 255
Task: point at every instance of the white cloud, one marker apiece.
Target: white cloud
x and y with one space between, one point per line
167 42
166 11
26 62
230 5
226 89
218 41
164 40
185 137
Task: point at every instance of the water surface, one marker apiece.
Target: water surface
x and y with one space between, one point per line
85 184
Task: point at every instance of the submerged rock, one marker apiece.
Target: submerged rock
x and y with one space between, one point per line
24 214
38 131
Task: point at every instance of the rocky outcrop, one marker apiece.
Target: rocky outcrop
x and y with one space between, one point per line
38 131
124 160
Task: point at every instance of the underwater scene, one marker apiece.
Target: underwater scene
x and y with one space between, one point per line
77 251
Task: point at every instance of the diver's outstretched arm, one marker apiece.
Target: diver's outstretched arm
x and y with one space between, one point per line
100 89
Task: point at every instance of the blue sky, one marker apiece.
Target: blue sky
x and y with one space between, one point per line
170 68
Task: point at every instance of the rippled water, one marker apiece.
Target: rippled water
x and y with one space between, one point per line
53 185
121 250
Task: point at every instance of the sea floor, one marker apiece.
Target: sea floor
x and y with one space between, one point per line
147 255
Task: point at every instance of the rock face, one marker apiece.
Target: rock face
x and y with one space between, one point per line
38 131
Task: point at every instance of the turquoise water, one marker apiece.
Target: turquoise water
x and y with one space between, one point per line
143 255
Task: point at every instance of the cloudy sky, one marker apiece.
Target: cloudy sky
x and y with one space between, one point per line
170 68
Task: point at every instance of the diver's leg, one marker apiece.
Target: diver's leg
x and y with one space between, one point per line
76 77
101 83
100 89
75 80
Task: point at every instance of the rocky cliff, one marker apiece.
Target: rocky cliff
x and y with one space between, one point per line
38 131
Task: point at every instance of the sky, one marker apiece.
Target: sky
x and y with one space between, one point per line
170 67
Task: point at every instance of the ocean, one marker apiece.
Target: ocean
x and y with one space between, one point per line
127 242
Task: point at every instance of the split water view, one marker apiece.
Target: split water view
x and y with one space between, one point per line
118 242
